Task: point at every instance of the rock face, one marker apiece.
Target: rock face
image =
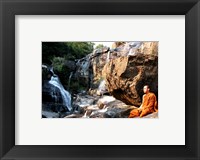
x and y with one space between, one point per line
98 61
121 49
51 93
83 71
126 76
89 69
150 48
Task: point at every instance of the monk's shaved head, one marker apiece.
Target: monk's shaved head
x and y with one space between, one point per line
146 89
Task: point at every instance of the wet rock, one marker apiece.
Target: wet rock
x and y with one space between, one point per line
74 116
100 105
46 73
51 93
47 114
93 108
105 100
54 107
71 65
113 113
85 100
83 72
54 92
119 111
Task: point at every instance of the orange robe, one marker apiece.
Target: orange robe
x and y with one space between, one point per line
149 105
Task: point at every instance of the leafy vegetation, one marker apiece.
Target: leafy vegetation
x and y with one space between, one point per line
67 50
99 46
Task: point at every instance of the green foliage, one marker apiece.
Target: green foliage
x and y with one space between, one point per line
58 64
79 49
51 50
68 50
61 70
99 46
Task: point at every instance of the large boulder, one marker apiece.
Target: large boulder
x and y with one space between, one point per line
51 94
125 76
118 109
46 73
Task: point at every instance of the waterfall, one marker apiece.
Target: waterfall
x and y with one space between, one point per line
85 115
70 76
66 96
133 47
51 70
102 87
108 57
44 66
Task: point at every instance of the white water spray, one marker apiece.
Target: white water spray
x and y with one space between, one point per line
66 96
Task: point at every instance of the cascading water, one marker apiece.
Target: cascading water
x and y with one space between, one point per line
70 76
108 57
133 47
66 96
102 87
51 70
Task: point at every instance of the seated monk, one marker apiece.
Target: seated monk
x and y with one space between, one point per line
149 104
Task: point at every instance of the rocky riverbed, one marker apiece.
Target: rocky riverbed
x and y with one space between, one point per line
87 106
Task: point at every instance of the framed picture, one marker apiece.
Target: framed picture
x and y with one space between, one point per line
93 132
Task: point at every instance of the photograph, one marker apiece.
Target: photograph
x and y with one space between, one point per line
99 79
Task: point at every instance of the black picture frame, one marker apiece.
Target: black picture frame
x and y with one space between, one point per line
189 8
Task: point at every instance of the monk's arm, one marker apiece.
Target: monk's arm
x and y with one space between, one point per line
142 103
